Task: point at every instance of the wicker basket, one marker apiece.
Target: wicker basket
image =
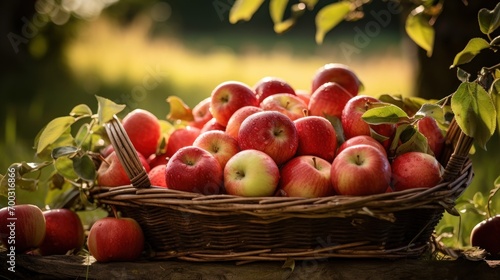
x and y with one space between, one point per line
196 227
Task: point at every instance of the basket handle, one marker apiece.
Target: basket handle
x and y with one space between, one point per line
127 154
457 148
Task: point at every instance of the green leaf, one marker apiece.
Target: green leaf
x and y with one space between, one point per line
66 139
462 75
243 10
337 126
419 29
489 20
81 110
431 110
277 10
107 109
473 47
53 131
284 26
64 166
495 98
388 114
63 151
310 3
21 172
85 168
82 133
329 16
412 141
474 112
495 41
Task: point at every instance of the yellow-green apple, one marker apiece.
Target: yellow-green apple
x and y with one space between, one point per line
415 170
219 144
360 170
192 169
306 176
63 232
271 132
201 113
181 137
115 239
22 228
234 123
338 73
212 124
271 85
317 137
157 176
361 139
251 173
143 129
288 104
328 100
429 128
354 125
228 97
111 172
485 236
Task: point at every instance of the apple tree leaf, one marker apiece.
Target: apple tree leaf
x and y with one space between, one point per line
419 29
474 112
243 10
495 42
431 110
84 167
412 141
64 151
284 26
489 20
310 4
277 10
495 98
21 175
463 75
64 166
81 110
53 131
337 126
329 16
387 114
473 48
179 110
107 109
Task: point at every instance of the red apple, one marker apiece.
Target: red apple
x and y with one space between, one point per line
64 232
157 159
328 100
430 129
415 170
360 170
270 132
111 172
338 73
361 139
228 97
157 176
304 95
181 137
212 124
306 176
219 144
193 169
234 123
288 104
22 228
251 173
115 239
201 113
143 129
485 236
317 137
268 86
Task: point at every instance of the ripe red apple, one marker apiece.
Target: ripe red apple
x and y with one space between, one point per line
219 144
268 86
485 236
234 123
251 173
111 172
288 104
228 97
270 132
212 124
415 170
143 129
306 176
181 137
338 73
328 100
157 159
115 239
192 169
22 228
63 233
317 137
157 176
430 129
361 139
304 95
201 113
360 170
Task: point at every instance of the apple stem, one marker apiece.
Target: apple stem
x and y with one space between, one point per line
305 112
286 105
315 164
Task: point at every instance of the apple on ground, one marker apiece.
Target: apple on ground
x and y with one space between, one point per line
144 131
63 232
201 113
360 170
361 139
115 239
157 176
415 170
328 100
288 104
485 236
228 97
429 128
181 137
306 176
212 124
251 173
192 169
219 144
111 172
271 85
317 137
270 132
338 73
22 227
234 123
